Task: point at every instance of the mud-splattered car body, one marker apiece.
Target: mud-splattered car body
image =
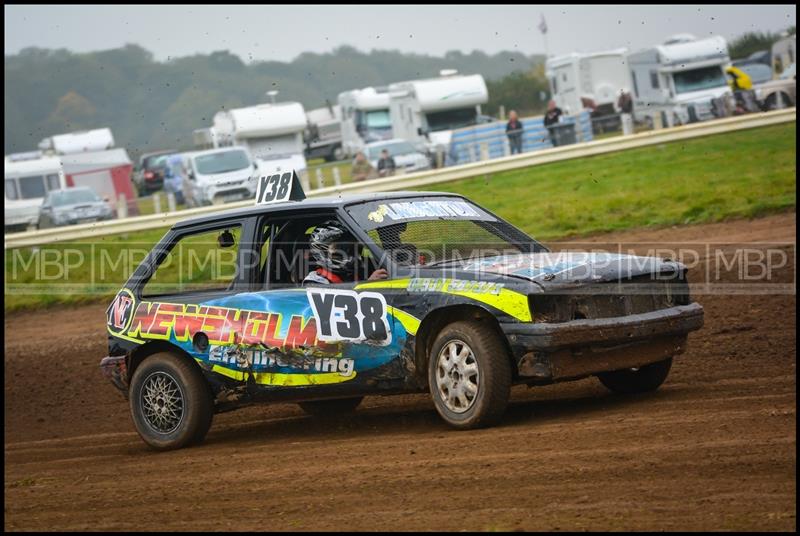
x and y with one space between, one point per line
560 315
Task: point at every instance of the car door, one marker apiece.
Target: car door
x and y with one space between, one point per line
314 340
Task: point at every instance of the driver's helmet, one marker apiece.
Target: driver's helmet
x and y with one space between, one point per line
333 248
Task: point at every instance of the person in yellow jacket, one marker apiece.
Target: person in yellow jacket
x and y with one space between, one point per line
738 79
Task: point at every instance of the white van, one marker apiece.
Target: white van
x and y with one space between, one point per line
219 176
29 176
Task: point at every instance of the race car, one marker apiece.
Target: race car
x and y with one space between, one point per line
221 314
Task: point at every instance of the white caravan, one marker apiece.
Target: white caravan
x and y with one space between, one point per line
783 54
579 79
29 176
365 118
272 133
679 79
99 139
425 112
323 134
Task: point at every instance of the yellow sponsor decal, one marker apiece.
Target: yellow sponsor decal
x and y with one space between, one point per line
284 379
510 302
411 323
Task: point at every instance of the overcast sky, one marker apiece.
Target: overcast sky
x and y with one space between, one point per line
283 32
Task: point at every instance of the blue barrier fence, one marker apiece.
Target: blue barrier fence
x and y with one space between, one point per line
465 145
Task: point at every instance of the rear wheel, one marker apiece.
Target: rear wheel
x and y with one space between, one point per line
639 380
331 408
469 374
170 401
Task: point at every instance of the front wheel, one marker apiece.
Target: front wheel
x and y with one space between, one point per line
469 374
639 380
170 401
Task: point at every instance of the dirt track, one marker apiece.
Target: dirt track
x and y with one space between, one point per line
714 448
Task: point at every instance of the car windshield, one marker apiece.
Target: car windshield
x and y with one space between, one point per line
154 161
758 72
438 231
73 197
378 119
699 79
221 162
789 72
452 119
396 148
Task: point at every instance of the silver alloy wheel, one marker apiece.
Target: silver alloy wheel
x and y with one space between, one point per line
457 376
161 401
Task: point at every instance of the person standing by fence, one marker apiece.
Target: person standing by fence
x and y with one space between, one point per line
514 132
552 117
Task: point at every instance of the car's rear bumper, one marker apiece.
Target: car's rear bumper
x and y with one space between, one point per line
115 369
588 346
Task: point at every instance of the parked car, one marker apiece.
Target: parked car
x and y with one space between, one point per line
219 176
405 155
757 72
149 174
779 93
471 306
73 205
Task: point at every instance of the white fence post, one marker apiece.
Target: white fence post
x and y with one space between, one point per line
304 181
657 123
170 202
156 203
506 146
627 124
122 207
484 150
502 113
320 179
439 158
337 178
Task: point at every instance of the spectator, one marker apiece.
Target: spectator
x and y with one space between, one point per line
625 102
386 165
362 169
514 132
552 117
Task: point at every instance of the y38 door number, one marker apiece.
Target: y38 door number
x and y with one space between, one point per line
346 315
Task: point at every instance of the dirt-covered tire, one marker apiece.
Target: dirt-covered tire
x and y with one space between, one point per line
170 402
469 375
642 380
331 408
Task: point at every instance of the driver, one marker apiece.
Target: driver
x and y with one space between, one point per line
333 251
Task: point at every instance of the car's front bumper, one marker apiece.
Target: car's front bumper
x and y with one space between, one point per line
583 347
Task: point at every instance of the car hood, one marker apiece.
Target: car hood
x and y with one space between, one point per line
77 206
552 269
230 176
295 162
702 96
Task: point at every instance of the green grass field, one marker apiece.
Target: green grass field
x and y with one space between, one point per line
743 174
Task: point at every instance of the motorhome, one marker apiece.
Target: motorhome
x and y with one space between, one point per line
679 79
272 133
425 112
323 134
783 54
29 176
593 80
364 118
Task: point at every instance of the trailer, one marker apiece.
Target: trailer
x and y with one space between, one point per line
425 112
323 134
594 80
364 118
28 178
272 133
680 79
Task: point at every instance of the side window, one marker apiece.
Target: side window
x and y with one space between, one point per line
52 182
286 259
197 262
11 189
654 79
